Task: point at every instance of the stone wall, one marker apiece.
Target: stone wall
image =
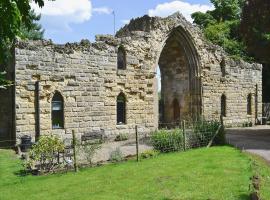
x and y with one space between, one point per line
87 77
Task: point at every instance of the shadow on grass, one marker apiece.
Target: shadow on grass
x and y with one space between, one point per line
244 197
22 173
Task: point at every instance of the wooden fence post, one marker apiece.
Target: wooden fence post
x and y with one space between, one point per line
74 143
137 143
184 134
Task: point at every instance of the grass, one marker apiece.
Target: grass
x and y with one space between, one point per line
218 173
262 170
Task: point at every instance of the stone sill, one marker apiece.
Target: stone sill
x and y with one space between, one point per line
121 126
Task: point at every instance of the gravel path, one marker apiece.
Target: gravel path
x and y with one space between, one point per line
254 139
128 148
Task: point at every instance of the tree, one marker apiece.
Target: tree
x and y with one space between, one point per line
221 26
255 28
35 32
13 15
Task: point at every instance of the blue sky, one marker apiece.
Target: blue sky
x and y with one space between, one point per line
73 20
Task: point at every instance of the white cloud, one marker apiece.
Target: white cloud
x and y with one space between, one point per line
103 10
71 11
166 9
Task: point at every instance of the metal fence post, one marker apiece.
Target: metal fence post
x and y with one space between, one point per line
74 143
137 143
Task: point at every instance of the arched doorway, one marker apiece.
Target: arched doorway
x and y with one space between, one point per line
179 78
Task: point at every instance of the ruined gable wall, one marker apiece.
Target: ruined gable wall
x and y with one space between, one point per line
241 77
86 75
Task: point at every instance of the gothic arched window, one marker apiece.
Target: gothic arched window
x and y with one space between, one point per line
121 58
223 67
249 104
121 109
57 111
176 110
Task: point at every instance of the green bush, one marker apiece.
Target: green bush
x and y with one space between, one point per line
43 154
89 150
149 154
167 140
205 131
116 155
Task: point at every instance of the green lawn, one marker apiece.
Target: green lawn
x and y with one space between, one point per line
217 173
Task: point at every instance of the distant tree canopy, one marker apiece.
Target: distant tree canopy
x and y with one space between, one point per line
16 20
255 29
221 26
35 31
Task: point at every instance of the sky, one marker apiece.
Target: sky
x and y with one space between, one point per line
73 20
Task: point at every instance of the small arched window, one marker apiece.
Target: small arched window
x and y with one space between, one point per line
223 105
249 104
176 110
57 111
223 67
121 109
121 58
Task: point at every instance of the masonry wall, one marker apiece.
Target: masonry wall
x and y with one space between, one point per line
87 77
240 80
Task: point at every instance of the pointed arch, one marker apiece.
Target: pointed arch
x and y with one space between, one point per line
179 46
121 108
121 58
176 110
57 115
249 104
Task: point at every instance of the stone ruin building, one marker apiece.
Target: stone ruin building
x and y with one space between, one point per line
111 84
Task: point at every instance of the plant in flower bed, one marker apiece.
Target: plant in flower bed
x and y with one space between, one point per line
43 155
168 140
149 154
116 155
89 150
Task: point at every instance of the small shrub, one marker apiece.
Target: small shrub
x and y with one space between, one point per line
167 140
116 155
205 131
121 137
149 154
89 150
43 154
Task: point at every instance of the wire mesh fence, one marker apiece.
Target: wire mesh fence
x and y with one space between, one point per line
90 149
181 136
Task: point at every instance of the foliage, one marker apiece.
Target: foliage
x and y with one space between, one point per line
220 173
221 26
167 140
89 150
34 31
255 28
116 155
121 137
43 154
206 130
14 15
149 154
3 82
